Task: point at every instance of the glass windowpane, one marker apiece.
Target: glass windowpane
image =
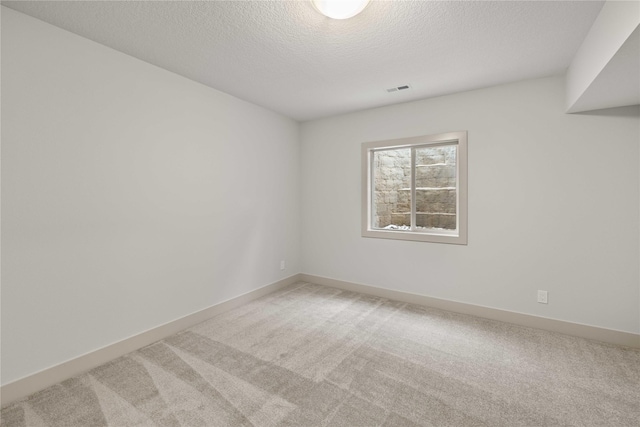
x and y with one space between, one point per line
391 189
436 187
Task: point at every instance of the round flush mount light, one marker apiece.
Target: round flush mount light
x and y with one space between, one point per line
340 9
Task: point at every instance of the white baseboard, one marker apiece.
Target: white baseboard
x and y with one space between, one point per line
23 387
610 336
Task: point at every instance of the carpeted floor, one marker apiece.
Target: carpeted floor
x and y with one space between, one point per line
310 355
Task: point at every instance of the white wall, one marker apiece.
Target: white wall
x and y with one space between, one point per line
553 205
604 70
130 196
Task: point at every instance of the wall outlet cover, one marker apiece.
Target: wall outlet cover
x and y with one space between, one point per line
542 297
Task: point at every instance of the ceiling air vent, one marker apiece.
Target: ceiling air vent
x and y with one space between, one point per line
398 88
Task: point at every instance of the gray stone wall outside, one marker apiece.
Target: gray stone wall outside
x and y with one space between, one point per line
435 187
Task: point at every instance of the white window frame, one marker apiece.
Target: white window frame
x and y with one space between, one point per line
459 236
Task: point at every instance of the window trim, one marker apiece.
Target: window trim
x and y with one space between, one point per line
460 238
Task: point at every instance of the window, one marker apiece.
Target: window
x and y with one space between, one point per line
416 188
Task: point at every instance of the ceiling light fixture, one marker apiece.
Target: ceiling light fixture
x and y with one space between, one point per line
340 9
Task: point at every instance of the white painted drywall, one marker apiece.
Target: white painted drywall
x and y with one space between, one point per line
603 72
553 205
131 196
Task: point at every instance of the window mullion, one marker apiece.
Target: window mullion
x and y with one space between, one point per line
413 189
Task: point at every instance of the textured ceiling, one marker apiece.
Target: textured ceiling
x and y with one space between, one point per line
285 56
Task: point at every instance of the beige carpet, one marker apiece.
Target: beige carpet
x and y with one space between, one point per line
315 356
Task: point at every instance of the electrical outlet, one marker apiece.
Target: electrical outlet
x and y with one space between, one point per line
282 265
542 297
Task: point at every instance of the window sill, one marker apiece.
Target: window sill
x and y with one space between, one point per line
417 236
